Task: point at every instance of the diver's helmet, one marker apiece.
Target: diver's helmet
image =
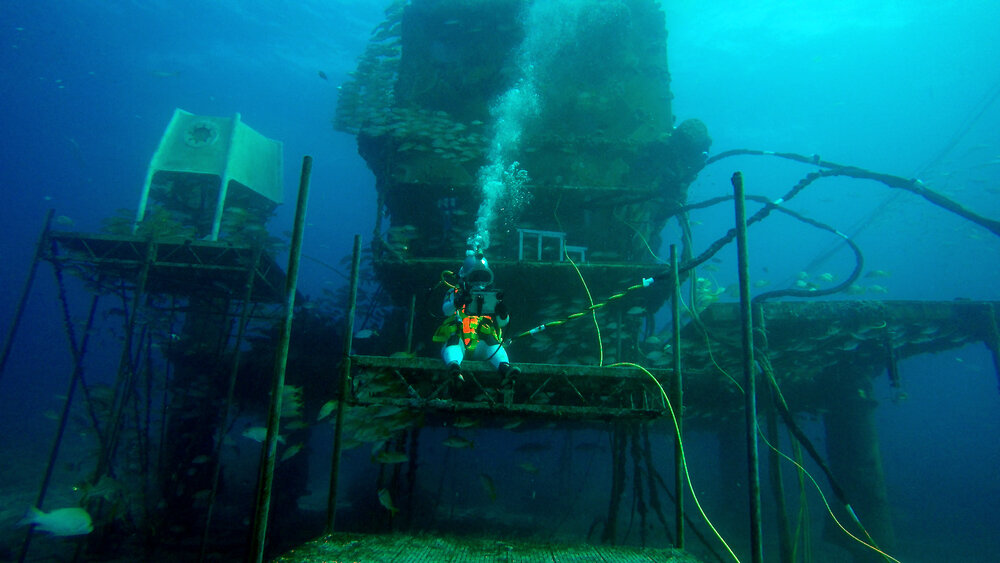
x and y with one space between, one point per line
476 271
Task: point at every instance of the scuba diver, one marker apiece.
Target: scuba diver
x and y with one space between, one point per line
476 315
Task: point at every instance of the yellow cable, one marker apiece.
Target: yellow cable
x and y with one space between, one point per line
446 282
708 346
822 496
803 525
765 365
827 504
673 415
597 326
680 443
579 314
590 299
593 309
643 239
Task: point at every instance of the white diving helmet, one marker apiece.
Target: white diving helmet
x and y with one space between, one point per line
476 271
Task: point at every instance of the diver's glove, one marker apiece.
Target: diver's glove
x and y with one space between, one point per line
462 298
500 310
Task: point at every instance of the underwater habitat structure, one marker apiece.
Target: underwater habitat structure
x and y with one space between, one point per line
564 118
541 135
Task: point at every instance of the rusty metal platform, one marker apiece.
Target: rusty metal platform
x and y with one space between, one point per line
182 267
814 347
818 346
548 390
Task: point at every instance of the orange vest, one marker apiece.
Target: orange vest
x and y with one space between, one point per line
471 327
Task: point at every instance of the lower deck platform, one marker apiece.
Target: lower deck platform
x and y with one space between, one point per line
552 391
815 347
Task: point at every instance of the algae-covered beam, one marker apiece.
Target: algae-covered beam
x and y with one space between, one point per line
270 447
677 400
577 372
749 386
124 380
234 369
499 409
78 354
345 374
15 323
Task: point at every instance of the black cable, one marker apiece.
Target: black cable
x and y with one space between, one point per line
913 185
731 234
859 263
688 265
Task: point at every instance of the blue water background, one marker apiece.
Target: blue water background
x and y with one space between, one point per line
87 88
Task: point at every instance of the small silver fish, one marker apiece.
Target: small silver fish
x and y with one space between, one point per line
106 488
385 499
290 452
259 434
325 411
457 442
462 422
513 424
391 457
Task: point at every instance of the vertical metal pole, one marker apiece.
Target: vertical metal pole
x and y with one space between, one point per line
233 371
993 341
268 452
8 340
677 399
409 327
345 374
123 383
78 354
749 387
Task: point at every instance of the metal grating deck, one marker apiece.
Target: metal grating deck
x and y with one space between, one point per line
397 548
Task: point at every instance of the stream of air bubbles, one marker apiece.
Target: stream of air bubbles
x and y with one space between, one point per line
548 24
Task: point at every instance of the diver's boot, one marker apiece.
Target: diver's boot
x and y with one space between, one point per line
507 371
507 375
455 371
